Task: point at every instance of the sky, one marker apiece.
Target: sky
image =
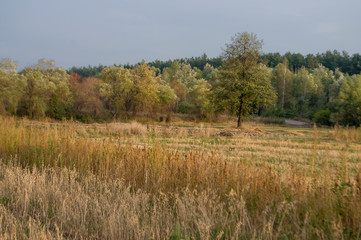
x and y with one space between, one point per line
92 32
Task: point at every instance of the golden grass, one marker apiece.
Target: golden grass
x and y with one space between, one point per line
347 134
131 181
58 203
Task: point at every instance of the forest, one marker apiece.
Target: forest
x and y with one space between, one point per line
325 88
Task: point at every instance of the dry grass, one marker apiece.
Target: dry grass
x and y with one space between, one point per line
347 134
58 203
133 128
129 181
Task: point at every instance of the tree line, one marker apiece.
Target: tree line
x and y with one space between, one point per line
242 82
350 64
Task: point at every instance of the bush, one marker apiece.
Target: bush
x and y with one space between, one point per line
185 107
323 117
278 113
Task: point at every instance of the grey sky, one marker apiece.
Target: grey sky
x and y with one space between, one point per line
82 32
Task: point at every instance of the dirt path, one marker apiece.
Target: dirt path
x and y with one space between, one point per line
295 123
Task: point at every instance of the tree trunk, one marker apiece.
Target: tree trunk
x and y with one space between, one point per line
134 111
283 92
239 121
114 116
128 106
169 115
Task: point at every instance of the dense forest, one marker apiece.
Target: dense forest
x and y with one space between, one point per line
323 87
331 59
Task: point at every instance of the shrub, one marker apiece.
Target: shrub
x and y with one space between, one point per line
185 107
323 117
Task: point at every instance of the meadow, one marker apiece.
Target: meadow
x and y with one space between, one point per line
179 180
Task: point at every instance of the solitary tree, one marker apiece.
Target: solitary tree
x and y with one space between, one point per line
244 84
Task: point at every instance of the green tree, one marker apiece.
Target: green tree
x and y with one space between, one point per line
305 85
348 103
46 91
311 61
167 98
61 101
326 79
282 82
186 75
198 95
209 73
244 84
145 92
191 89
169 73
11 86
117 90
36 92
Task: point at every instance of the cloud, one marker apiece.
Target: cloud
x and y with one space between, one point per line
325 28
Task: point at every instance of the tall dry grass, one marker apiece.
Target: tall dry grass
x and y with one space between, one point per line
350 134
54 183
59 203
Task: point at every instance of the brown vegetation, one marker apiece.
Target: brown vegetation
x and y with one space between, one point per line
130 181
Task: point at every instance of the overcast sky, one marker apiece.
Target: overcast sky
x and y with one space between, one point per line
83 32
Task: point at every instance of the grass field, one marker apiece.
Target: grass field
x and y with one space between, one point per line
65 180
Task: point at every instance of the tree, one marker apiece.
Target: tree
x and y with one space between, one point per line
11 86
169 73
60 102
356 63
296 60
87 104
199 96
46 91
326 78
209 73
36 92
8 65
45 64
311 61
282 76
145 92
180 89
167 98
189 86
271 59
306 89
186 75
117 90
348 103
244 85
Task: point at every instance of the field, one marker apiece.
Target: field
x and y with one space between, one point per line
182 180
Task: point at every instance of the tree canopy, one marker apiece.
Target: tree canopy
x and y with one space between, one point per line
244 85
